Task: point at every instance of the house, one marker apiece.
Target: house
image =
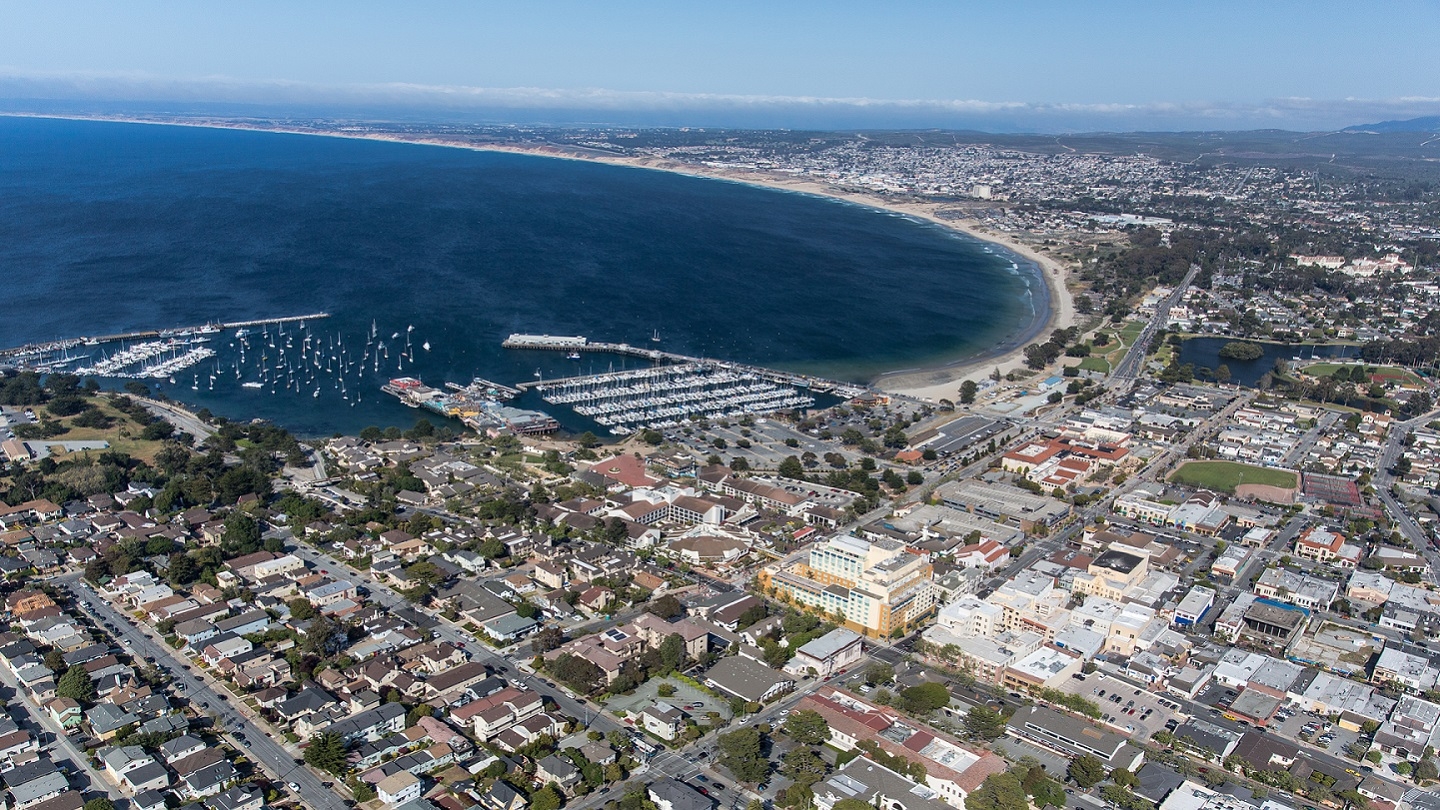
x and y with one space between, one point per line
240 797
663 720
398 788
554 769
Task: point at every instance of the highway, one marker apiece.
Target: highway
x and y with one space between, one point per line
276 761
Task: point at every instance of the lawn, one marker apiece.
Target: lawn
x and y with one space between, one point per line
1224 476
1388 372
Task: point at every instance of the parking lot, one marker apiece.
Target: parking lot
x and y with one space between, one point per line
1126 708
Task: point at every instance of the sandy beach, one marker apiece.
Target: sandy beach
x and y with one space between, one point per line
936 382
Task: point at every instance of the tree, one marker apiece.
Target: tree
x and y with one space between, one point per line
327 752
968 389
1426 770
55 660
666 607
76 685
301 609
925 698
807 727
999 791
672 652
878 673
792 467
546 798
1086 771
742 754
803 767
241 535
549 638
984 723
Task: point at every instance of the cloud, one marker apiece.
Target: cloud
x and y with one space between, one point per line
142 93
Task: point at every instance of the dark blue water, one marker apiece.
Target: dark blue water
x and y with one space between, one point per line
111 227
1204 352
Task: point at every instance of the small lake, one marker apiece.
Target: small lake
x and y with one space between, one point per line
1204 352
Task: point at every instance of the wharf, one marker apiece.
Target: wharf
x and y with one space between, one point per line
582 344
20 354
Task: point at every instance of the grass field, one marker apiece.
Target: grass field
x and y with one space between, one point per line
1224 476
1390 372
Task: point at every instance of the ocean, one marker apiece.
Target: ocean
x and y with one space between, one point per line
109 227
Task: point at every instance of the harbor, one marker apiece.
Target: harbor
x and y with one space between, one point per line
479 405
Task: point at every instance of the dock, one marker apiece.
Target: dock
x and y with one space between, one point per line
578 343
32 355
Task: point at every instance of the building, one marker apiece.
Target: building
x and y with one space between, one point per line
670 794
828 654
1071 736
747 679
877 586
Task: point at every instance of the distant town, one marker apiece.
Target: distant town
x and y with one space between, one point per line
1181 554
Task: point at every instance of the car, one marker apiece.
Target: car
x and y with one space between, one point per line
294 788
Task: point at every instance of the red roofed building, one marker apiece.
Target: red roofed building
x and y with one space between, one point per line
626 470
851 720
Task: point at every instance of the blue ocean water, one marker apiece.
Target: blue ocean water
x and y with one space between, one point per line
109 227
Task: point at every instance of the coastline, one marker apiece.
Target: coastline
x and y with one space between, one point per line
930 382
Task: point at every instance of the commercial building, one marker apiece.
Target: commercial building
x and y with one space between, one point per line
876 586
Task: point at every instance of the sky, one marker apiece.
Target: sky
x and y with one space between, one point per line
1027 66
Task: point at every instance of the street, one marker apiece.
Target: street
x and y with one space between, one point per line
276 761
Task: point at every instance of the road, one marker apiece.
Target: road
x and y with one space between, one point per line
1130 365
1384 482
274 759
381 594
61 747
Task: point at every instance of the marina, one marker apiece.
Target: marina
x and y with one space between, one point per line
668 395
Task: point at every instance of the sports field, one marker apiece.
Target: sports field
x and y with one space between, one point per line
1224 476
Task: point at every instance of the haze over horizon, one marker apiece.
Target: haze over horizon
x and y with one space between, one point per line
1045 67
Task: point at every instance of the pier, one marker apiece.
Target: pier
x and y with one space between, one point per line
582 344
32 355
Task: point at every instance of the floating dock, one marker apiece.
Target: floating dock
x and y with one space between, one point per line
578 343
669 395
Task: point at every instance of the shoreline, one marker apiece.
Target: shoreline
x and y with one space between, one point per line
933 382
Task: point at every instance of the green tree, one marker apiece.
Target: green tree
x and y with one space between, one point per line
803 767
76 684
672 652
879 673
792 467
807 727
301 609
546 798
1086 771
925 698
968 389
327 752
999 791
984 723
666 607
742 753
